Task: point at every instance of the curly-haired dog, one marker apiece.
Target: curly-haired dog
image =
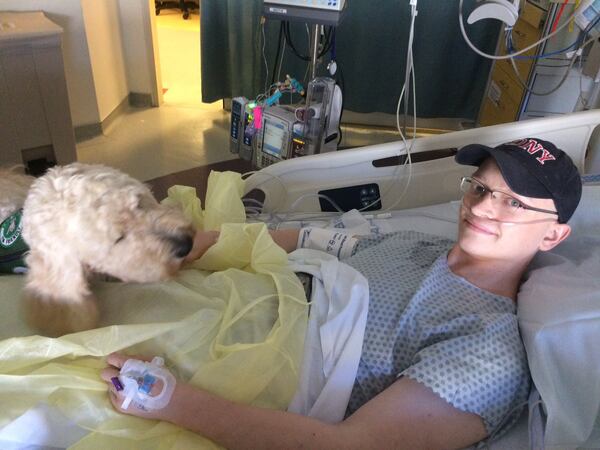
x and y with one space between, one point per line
13 190
80 219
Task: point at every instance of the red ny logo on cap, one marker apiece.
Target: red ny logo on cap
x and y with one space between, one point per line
532 147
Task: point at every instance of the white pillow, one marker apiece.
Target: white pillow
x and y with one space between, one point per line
559 317
586 219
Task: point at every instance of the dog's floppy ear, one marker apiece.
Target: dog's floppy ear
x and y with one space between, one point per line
57 299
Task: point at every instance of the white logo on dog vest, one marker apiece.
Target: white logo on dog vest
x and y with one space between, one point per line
10 230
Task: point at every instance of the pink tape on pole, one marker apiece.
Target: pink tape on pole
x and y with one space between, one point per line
258 117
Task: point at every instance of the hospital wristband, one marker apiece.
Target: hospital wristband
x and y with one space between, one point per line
333 242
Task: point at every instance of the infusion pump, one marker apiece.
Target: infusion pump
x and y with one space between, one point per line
267 134
333 5
275 140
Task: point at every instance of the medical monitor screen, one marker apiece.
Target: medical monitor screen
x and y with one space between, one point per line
273 138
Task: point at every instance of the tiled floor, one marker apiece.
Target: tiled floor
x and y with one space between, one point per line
148 143
184 132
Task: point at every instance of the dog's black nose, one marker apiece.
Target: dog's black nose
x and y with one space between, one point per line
182 245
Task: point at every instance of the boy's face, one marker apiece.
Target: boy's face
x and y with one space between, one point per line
482 235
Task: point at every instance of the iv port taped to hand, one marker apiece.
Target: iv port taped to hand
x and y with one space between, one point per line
139 377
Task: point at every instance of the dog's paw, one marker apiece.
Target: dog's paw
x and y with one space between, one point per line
53 316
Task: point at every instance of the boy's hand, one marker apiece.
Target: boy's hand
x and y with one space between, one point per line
203 240
116 361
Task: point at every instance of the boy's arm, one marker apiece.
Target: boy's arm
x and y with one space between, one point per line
407 415
287 239
203 240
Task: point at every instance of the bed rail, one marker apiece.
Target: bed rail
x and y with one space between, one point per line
293 185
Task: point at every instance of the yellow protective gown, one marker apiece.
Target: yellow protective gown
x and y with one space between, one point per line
233 324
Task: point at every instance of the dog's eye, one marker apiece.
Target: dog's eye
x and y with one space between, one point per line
120 239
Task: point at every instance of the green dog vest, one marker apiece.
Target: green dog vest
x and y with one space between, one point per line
12 245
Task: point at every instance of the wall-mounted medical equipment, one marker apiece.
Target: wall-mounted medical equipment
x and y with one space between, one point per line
236 130
322 12
334 5
315 13
588 12
506 11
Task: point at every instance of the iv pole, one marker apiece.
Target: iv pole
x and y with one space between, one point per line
315 33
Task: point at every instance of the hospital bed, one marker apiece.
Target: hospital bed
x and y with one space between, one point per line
559 305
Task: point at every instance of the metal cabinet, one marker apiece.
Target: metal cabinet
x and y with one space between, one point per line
35 119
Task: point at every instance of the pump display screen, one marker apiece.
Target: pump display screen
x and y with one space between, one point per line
274 134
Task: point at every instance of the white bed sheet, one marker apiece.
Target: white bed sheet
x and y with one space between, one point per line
334 336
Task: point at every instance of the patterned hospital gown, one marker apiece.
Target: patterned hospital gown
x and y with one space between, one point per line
435 327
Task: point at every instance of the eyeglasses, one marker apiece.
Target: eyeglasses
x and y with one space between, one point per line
508 206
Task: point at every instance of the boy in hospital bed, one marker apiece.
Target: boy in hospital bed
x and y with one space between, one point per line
442 363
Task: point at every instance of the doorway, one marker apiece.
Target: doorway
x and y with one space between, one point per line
178 42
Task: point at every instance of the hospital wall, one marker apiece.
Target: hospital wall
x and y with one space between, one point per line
98 72
138 46
105 46
78 70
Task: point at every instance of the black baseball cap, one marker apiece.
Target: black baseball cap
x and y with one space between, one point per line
533 168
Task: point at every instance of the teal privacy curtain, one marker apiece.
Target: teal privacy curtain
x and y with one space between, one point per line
371 45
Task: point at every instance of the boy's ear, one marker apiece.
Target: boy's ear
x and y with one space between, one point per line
556 234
